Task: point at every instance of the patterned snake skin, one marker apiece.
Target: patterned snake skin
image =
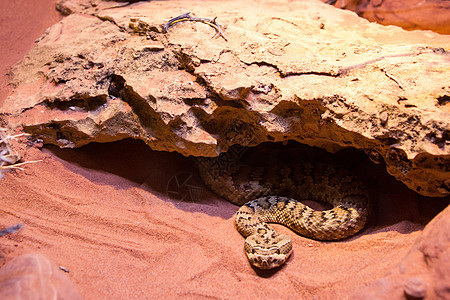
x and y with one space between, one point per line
268 193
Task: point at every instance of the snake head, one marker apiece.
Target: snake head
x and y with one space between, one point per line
267 253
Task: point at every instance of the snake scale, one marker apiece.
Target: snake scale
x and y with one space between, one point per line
269 193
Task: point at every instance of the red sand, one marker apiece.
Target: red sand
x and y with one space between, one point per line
104 213
22 22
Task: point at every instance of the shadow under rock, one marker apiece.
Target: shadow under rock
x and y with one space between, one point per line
392 201
169 175
174 177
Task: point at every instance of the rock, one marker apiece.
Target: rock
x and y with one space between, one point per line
313 74
415 288
33 276
408 14
423 272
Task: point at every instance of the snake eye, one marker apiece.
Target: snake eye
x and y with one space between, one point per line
278 251
253 251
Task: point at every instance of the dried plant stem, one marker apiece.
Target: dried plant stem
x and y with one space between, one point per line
8 158
16 166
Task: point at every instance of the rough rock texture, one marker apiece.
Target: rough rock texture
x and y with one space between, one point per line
301 71
34 276
424 272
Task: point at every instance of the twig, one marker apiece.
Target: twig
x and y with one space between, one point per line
187 17
7 158
64 269
16 166
392 78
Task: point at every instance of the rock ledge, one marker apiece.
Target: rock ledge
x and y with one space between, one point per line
300 71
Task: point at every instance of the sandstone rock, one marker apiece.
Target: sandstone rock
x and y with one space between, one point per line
33 276
415 288
301 71
409 14
423 273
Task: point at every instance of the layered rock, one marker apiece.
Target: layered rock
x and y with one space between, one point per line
301 71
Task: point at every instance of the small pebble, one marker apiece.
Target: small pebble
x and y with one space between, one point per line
384 117
415 288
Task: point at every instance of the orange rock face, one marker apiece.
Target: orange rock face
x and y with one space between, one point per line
423 273
409 14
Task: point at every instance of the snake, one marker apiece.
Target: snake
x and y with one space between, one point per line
272 193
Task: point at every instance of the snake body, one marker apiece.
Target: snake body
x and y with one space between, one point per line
270 193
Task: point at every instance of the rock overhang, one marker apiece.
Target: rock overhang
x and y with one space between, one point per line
316 75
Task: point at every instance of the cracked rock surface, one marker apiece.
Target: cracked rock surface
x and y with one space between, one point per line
302 71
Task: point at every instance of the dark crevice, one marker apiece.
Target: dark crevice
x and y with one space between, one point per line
149 119
266 64
311 73
400 99
439 141
194 101
284 74
387 139
79 101
147 116
216 97
117 83
443 100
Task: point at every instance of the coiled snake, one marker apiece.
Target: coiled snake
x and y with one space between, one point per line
270 193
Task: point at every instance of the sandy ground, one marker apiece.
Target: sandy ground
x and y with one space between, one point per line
132 223
22 22
128 222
